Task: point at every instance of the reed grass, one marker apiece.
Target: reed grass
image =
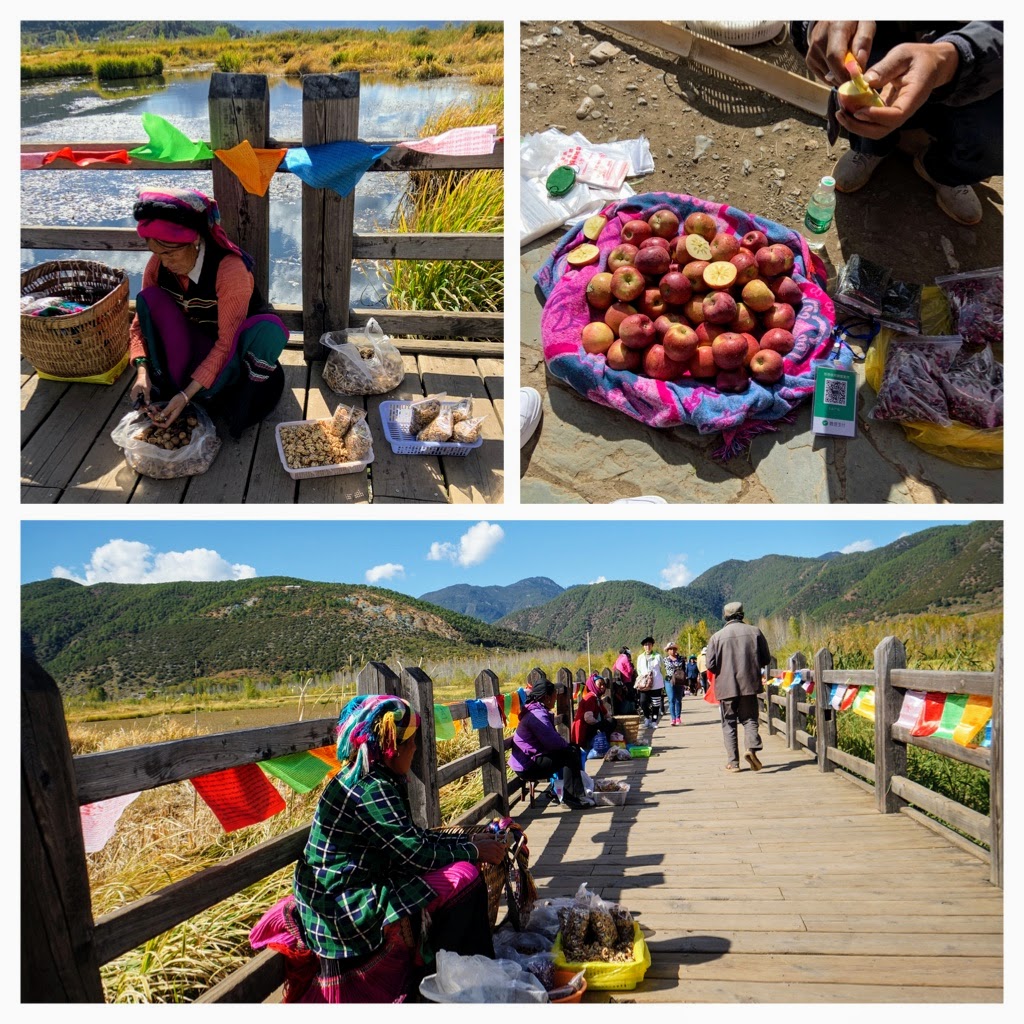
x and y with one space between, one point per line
67 68
459 201
108 68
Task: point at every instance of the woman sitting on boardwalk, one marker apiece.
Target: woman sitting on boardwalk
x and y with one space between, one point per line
374 895
623 694
202 330
591 716
538 751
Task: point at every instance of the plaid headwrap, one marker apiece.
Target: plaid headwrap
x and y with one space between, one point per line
371 727
183 208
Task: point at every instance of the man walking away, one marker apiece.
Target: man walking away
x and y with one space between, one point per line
735 656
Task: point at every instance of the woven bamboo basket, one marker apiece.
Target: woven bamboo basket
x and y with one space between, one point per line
82 344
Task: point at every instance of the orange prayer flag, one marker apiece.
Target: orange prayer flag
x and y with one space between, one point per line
254 168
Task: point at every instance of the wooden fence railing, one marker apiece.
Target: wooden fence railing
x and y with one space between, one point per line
63 947
886 776
239 110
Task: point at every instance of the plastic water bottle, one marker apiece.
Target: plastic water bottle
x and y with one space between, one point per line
821 207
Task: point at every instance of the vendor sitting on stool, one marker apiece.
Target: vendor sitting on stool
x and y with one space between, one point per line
538 751
591 716
202 330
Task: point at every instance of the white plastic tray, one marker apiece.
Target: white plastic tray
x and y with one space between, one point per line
310 472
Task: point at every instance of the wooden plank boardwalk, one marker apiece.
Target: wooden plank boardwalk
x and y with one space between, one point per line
67 455
781 886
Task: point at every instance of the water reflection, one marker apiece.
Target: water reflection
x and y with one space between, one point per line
77 110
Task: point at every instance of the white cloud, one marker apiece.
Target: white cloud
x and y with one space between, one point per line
387 571
600 579
476 545
131 561
676 573
858 545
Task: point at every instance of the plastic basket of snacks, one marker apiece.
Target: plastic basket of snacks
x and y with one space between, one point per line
602 940
610 792
74 319
638 752
332 447
435 425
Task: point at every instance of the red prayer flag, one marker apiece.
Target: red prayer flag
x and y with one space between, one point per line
849 697
934 705
239 796
85 158
710 695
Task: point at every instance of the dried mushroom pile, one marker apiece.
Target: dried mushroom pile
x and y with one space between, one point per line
342 439
437 418
603 933
362 364
178 435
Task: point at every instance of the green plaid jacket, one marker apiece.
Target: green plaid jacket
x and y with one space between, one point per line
363 864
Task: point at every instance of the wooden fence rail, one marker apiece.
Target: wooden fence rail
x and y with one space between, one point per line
239 110
886 776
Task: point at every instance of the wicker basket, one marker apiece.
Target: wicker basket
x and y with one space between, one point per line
78 345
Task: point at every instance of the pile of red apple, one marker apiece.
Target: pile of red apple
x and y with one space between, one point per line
690 300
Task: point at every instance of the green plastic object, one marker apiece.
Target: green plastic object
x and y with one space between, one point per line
560 181
168 144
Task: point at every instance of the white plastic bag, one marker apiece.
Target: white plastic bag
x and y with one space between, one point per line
362 362
479 979
150 460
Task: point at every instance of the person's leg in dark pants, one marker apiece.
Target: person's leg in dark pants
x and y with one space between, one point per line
746 713
727 709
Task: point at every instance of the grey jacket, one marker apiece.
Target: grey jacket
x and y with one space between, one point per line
736 655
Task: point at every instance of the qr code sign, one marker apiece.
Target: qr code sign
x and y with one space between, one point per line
835 392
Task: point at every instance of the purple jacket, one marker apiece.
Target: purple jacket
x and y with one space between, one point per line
535 734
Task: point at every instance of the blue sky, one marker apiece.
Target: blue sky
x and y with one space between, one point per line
416 557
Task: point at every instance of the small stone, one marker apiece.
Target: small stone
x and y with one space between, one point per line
811 144
747 167
555 31
715 156
701 144
610 105
641 102
668 153
595 92
531 86
631 87
584 109
781 126
759 133
597 114
604 52
778 172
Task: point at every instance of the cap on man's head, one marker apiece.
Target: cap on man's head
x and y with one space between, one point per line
647 640
671 646
733 610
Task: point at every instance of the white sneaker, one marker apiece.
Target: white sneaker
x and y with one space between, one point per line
960 202
853 170
642 499
529 414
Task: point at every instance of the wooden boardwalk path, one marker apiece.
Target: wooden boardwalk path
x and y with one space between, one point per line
781 886
68 457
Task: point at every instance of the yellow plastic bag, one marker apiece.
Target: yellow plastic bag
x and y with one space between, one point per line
100 378
958 443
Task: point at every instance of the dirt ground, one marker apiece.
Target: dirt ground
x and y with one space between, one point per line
765 156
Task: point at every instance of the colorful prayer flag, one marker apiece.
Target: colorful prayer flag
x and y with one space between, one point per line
849 697
838 693
864 704
329 755
477 713
254 168
977 715
99 820
84 159
933 705
302 771
168 144
334 165
912 710
444 727
495 719
952 712
239 796
476 140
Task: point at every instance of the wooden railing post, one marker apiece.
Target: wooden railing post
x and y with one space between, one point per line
376 677
494 774
890 756
770 690
58 955
824 719
424 793
995 777
330 113
563 678
240 111
792 696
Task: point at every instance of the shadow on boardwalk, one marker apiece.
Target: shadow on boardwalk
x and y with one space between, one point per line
780 886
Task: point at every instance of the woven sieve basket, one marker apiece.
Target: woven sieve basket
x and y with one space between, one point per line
80 344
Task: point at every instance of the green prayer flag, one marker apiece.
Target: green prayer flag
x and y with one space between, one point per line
951 715
444 727
168 144
302 772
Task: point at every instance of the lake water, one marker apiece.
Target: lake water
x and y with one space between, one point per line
78 110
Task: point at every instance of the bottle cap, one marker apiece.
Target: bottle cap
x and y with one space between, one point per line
560 181
828 182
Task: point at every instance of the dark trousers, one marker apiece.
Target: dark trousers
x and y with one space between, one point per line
968 143
568 761
652 703
739 711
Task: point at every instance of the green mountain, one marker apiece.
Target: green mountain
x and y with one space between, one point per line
129 636
51 33
491 603
616 612
945 568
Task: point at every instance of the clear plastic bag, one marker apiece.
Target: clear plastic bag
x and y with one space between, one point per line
976 303
543 917
362 362
862 285
462 409
424 411
358 441
344 417
197 450
479 979
974 388
439 428
467 431
911 388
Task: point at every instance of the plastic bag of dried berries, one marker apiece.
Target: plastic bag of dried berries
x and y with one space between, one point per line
974 388
976 303
911 388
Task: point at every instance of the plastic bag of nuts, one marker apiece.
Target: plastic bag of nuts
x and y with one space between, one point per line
362 362
186 448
